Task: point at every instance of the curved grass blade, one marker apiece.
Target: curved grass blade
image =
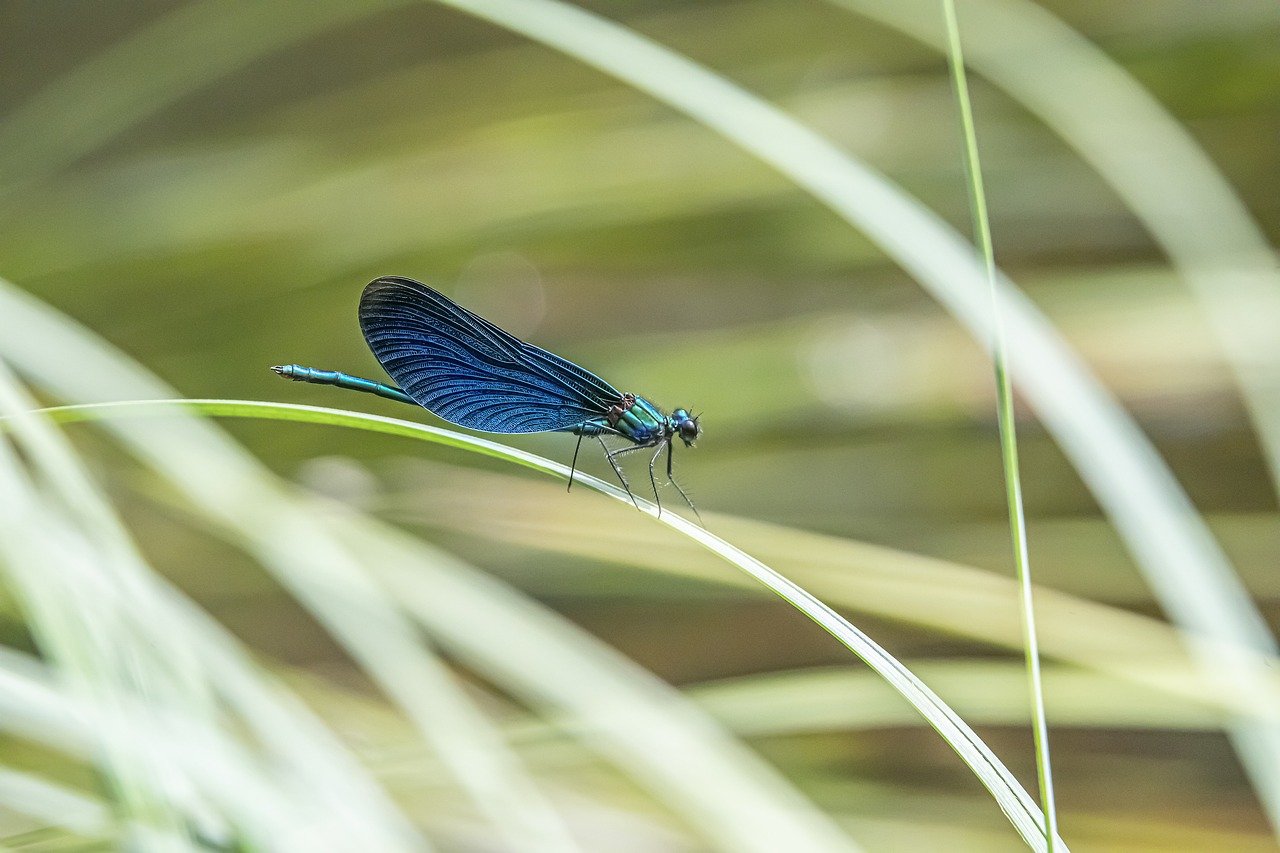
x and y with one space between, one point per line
857 577
460 733
54 805
393 653
1177 192
108 614
626 714
988 692
104 96
1009 794
1181 197
735 799
1190 574
35 707
85 633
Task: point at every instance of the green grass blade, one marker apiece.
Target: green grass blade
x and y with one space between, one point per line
48 562
987 692
1185 566
1185 202
53 805
36 707
1182 198
103 614
1008 426
104 96
625 714
385 643
857 577
1009 794
716 784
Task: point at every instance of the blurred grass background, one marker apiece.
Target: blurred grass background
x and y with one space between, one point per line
233 227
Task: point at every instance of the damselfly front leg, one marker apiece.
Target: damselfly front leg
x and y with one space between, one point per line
623 451
672 480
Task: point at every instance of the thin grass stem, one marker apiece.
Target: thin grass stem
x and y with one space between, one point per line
1005 416
1017 805
1190 573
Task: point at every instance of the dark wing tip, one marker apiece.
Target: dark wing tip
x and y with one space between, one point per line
391 282
395 279
387 290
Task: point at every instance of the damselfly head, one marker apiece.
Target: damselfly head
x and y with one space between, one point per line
686 427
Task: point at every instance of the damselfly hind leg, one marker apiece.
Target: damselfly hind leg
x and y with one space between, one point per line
671 479
609 454
653 481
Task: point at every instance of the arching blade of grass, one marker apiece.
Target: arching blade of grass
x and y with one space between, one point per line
174 746
1163 531
856 577
1177 192
106 95
1009 794
383 640
331 790
399 659
1008 426
1184 565
1151 160
97 608
735 799
988 692
625 713
54 805
46 574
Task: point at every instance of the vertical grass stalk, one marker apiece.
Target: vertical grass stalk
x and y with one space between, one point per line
1169 540
1004 415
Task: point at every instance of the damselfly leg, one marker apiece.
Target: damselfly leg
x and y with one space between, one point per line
653 481
573 466
672 480
661 444
609 454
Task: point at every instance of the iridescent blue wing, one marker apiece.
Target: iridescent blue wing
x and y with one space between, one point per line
467 370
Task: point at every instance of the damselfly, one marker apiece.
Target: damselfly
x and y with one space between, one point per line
469 372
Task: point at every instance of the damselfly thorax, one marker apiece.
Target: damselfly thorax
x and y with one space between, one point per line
636 419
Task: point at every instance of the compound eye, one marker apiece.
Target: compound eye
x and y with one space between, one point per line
689 429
